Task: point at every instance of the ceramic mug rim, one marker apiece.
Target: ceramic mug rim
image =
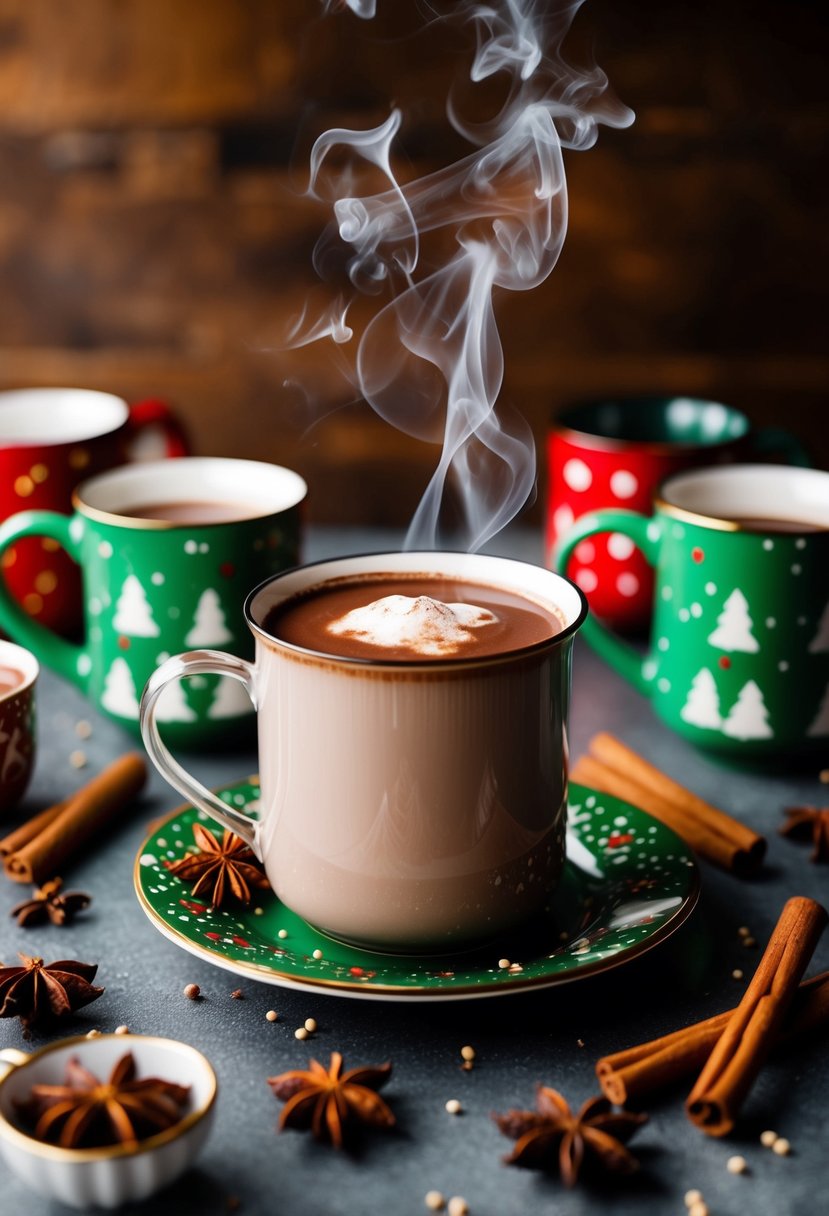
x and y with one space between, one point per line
109 1152
565 425
181 480
25 661
357 562
111 413
677 482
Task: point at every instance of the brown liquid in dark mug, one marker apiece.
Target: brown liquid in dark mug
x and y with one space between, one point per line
214 512
755 524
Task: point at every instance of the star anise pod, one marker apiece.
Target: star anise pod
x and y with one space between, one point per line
35 992
221 865
552 1136
809 823
50 903
326 1100
88 1113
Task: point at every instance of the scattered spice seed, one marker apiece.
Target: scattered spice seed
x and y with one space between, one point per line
767 1139
83 729
258 911
698 1209
514 968
233 1203
457 1206
781 1146
122 1029
192 992
692 1197
434 1201
237 995
823 776
744 931
93 1034
737 1165
453 1107
736 974
468 1053
310 1025
317 954
504 963
78 759
283 933
467 1066
580 1042
300 1033
271 1015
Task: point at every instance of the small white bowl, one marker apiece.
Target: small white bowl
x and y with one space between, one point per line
105 1177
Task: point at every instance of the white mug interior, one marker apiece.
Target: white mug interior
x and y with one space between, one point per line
37 416
267 489
17 658
721 497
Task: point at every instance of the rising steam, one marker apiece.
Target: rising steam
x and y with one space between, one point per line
430 360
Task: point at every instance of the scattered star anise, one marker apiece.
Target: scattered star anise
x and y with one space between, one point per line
88 1113
327 1099
552 1136
35 992
220 865
809 823
50 903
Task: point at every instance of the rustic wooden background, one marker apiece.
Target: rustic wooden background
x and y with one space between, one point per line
153 239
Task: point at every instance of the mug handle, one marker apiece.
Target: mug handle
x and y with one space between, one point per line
646 535
775 440
157 413
196 663
68 660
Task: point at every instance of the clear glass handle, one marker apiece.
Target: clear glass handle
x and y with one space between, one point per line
196 663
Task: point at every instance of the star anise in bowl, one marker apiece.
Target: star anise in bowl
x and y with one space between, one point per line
553 1137
221 867
331 1101
86 1112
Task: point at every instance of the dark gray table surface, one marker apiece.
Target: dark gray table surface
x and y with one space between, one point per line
553 1036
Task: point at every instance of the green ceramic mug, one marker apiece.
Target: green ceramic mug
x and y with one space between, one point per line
168 550
739 653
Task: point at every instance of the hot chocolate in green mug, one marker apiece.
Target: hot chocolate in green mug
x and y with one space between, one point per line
738 660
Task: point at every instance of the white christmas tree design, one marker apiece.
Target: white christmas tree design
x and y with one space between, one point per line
209 625
820 641
133 615
734 626
172 707
749 718
119 696
820 726
703 705
230 700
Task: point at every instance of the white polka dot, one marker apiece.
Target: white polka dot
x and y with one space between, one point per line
204 547
157 578
174 613
587 579
623 484
684 614
770 622
797 569
654 530
714 418
664 643
105 549
667 593
678 531
696 610
649 668
800 543
76 529
94 606
663 684
682 412
801 620
190 546
768 544
563 518
782 665
84 664
162 657
585 552
627 584
577 475
620 546
710 588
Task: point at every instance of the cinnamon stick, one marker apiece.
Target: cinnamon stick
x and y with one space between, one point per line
710 832
31 828
755 1024
81 816
627 1077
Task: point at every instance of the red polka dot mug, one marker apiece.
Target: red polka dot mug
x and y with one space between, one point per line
614 454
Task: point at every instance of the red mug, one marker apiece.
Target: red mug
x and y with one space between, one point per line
614 454
51 439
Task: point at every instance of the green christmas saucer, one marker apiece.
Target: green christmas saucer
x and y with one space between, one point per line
629 883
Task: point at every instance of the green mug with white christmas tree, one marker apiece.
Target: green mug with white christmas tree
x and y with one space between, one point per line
739 653
168 551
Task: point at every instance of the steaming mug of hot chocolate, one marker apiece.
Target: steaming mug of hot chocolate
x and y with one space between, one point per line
739 655
412 718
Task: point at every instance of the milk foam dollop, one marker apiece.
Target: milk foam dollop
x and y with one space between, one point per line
416 623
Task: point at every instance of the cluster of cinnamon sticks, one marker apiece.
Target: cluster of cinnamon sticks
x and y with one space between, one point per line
37 850
731 1048
615 769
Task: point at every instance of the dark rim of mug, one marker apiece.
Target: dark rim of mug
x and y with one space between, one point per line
566 427
420 664
28 681
138 522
